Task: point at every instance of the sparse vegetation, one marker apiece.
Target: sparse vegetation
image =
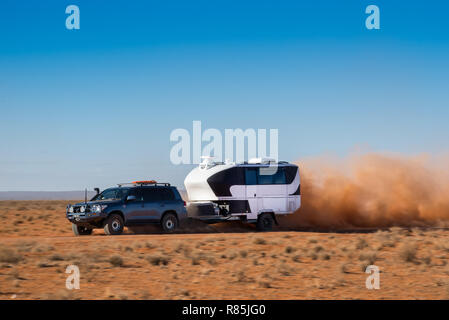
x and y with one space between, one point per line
9 255
361 244
242 265
408 252
260 241
116 261
369 256
158 259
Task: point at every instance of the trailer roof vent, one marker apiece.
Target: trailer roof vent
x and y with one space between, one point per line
208 162
261 161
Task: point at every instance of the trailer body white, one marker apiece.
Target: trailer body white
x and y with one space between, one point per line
244 191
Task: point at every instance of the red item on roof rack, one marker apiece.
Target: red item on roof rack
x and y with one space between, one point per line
145 182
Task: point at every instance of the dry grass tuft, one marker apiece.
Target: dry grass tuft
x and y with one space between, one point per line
9 256
260 241
116 261
408 252
158 260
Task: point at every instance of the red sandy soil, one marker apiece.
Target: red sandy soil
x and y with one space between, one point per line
214 262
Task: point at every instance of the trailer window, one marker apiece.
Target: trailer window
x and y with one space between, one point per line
279 176
251 176
276 178
222 181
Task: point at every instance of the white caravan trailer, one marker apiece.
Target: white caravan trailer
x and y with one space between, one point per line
254 191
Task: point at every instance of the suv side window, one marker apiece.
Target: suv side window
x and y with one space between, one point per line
176 194
150 194
137 192
167 194
156 194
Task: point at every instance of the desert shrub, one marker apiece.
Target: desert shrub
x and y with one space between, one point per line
369 256
290 249
116 261
149 245
325 256
241 276
183 248
44 264
344 267
57 257
318 249
231 254
361 244
9 256
260 241
157 260
408 252
313 256
284 269
427 260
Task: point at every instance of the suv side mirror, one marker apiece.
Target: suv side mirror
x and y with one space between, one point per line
131 198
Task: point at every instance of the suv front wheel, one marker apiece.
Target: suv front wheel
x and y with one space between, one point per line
80 231
113 224
169 222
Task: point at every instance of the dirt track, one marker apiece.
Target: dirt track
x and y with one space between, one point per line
221 262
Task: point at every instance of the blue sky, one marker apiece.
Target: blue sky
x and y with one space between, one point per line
95 106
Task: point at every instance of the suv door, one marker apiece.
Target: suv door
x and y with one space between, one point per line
134 210
153 204
171 202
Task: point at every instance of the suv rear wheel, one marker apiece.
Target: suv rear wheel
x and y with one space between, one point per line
265 222
80 231
114 224
169 222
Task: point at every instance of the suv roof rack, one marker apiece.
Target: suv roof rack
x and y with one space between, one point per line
145 183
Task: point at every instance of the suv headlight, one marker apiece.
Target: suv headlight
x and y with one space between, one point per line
96 208
70 209
82 209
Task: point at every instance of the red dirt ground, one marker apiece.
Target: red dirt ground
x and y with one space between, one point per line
215 262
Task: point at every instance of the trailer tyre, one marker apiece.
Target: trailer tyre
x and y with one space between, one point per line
81 231
114 225
265 222
169 222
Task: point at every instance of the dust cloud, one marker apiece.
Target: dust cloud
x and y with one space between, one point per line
373 190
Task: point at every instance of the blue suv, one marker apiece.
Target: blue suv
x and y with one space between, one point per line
134 204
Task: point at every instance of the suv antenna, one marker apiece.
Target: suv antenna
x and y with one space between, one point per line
85 195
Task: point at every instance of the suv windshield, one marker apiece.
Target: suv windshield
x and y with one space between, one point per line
111 194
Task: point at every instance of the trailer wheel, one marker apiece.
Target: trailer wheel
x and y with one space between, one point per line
265 222
113 225
80 231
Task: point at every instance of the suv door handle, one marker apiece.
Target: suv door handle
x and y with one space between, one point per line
254 195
